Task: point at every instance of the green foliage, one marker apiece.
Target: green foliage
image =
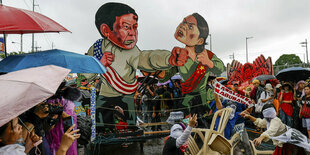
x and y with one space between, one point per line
288 59
12 53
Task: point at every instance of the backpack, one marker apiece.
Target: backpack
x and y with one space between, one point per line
260 104
305 111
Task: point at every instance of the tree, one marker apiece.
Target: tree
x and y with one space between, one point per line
288 59
12 53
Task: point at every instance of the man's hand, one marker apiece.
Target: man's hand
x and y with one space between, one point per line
193 121
107 59
31 141
178 56
203 58
154 114
258 141
245 114
119 109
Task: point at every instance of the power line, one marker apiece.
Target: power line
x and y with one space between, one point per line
46 37
27 5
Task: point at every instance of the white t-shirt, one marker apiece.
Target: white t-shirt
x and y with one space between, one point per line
264 95
11 149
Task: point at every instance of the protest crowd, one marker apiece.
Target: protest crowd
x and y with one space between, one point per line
177 96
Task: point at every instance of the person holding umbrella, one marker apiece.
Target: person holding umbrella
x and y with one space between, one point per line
22 90
286 99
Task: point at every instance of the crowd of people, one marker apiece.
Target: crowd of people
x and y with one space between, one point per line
49 128
291 102
157 100
275 107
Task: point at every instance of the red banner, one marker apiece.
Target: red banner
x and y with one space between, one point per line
223 91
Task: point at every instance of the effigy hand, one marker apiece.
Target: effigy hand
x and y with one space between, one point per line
107 59
203 58
178 56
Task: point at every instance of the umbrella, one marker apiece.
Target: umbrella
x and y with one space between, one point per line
76 62
293 74
164 83
21 90
149 80
20 21
176 77
264 77
224 81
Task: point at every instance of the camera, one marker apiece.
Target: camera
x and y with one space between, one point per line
54 109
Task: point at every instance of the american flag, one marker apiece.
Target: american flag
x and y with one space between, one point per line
97 49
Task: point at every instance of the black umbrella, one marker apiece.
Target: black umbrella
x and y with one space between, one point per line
224 82
293 74
264 77
147 79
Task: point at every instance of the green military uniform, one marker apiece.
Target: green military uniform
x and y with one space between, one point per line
186 72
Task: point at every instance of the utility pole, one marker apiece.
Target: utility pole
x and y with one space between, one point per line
37 47
21 42
210 42
32 48
52 45
246 47
305 44
232 56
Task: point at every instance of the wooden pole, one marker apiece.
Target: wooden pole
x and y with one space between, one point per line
156 132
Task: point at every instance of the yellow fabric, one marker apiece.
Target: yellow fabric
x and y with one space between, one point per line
256 81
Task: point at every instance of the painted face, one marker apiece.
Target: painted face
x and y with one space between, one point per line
187 32
13 132
83 82
125 32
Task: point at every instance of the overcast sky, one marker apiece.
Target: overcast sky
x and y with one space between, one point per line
277 26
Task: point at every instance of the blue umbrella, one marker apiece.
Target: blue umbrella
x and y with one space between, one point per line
78 63
293 74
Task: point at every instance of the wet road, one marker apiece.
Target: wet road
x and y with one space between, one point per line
150 147
155 146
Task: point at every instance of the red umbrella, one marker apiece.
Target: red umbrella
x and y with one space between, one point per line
20 21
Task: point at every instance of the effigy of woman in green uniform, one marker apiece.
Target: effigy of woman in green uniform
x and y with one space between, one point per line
193 32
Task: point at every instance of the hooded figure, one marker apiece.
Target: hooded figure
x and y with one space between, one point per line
275 129
176 143
273 124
